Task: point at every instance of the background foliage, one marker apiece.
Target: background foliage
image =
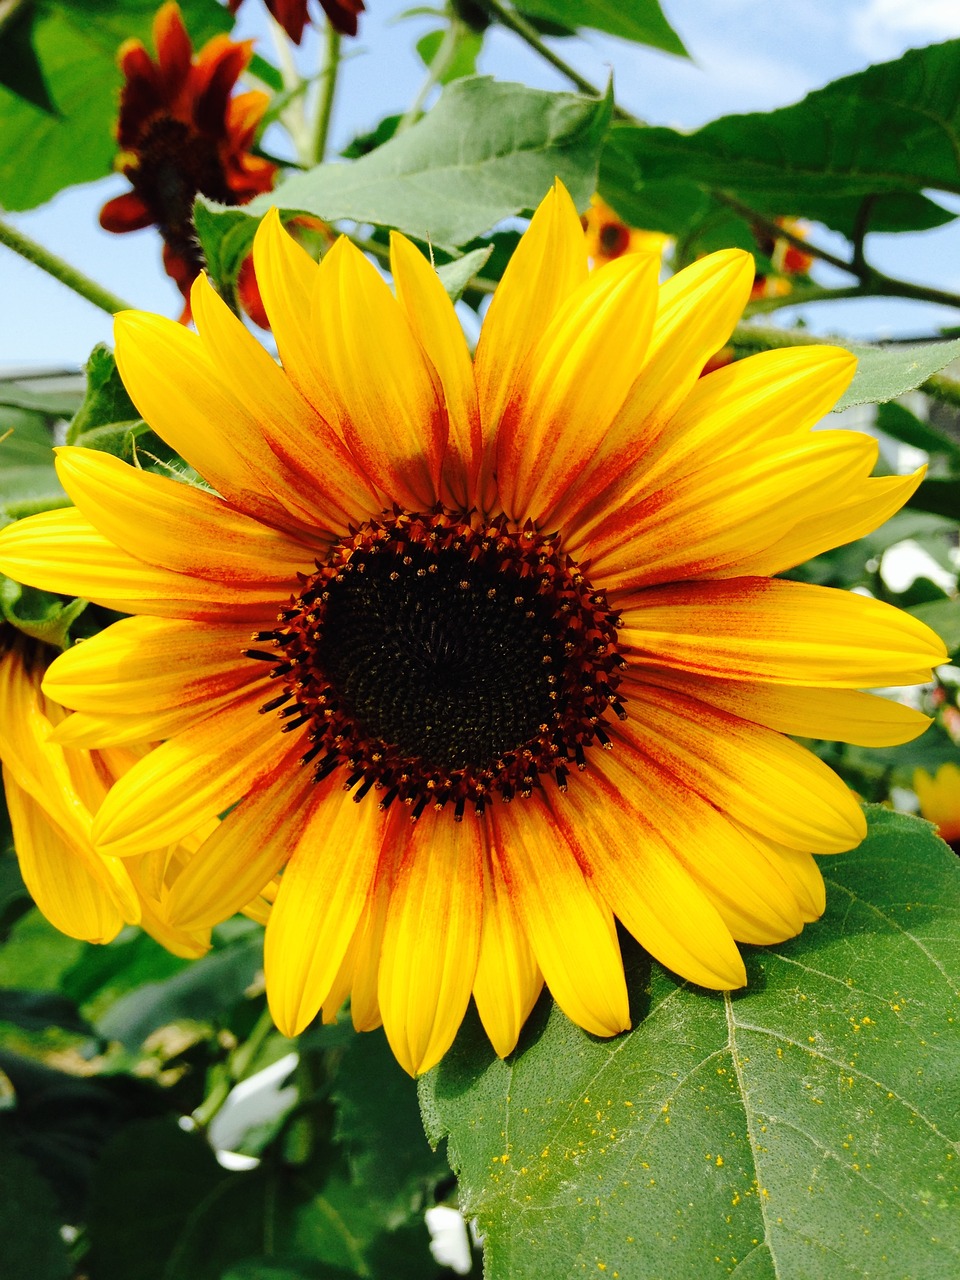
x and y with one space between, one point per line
154 1125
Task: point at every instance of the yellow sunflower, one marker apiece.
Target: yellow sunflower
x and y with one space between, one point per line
484 655
52 793
939 797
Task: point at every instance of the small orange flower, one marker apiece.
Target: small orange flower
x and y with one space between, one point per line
608 237
293 17
181 133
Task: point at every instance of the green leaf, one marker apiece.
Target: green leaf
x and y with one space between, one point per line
891 128
202 992
105 401
943 616
30 1243
883 373
379 1125
455 276
37 1010
152 1178
52 404
487 151
641 20
36 955
680 207
897 421
804 1127
464 61
20 69
41 153
938 497
39 614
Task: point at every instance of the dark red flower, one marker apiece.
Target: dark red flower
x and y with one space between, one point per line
293 17
181 134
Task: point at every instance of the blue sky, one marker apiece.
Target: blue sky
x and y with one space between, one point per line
746 55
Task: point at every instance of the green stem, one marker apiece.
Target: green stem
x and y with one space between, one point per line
61 270
442 60
873 283
800 296
328 89
529 35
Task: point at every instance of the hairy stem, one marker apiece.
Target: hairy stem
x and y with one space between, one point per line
60 270
442 60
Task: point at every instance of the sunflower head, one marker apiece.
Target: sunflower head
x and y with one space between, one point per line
183 132
480 654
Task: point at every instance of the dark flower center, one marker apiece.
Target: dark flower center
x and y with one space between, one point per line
614 239
174 163
442 660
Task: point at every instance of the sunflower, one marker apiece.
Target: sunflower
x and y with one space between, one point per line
52 793
484 655
609 237
181 134
939 797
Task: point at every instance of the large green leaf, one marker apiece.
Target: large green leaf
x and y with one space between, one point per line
807 1126
883 373
892 128
76 46
487 151
680 207
201 992
30 1243
152 1179
640 20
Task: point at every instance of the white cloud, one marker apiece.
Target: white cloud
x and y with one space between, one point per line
882 28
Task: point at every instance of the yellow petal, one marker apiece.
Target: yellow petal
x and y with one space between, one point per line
858 511
436 327
60 879
190 402
62 551
788 632
570 931
249 846
329 485
151 665
650 891
578 375
712 519
799 869
548 264
755 776
756 401
368 943
696 312
431 940
176 526
840 715
388 398
753 901
507 981
323 890
190 779
286 276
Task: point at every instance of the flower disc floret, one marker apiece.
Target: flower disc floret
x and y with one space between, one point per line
444 660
